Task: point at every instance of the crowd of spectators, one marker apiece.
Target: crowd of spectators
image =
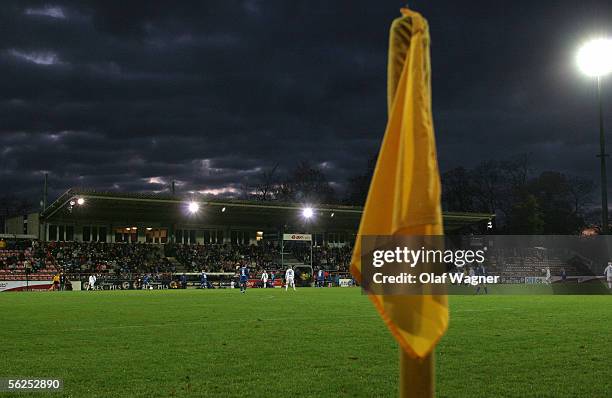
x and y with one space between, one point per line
21 257
106 258
83 257
325 257
226 257
129 260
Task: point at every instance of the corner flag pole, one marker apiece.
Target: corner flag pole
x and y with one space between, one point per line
404 199
417 376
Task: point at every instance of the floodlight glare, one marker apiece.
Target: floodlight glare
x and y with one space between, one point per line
80 201
307 212
595 57
193 207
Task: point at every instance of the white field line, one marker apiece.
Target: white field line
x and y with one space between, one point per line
213 321
230 321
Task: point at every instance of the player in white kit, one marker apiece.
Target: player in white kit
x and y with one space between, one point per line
92 282
289 278
264 279
608 274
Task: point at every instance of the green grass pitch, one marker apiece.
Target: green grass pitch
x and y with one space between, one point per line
311 343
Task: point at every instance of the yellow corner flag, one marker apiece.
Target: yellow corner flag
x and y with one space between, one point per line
404 195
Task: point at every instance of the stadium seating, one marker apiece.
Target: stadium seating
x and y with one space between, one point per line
129 259
15 262
531 262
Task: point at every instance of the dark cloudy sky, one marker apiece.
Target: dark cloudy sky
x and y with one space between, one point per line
129 95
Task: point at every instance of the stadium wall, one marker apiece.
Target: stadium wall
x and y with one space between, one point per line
79 231
28 224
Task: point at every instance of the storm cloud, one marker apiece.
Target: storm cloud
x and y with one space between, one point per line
131 95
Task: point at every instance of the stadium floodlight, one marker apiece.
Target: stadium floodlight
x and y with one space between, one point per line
307 212
80 201
595 57
193 207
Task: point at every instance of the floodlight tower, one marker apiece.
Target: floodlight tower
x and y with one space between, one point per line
595 60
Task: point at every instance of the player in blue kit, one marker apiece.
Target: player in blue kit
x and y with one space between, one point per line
146 281
320 278
481 271
203 280
244 277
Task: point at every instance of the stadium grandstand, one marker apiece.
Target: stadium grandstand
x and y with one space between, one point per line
535 259
530 262
122 236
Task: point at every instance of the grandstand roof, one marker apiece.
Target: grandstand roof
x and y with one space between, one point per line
138 207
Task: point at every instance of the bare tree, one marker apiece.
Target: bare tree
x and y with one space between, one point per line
517 170
581 191
305 184
359 184
488 186
458 190
265 189
245 189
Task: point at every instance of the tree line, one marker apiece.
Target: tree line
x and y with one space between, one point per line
524 202
550 202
